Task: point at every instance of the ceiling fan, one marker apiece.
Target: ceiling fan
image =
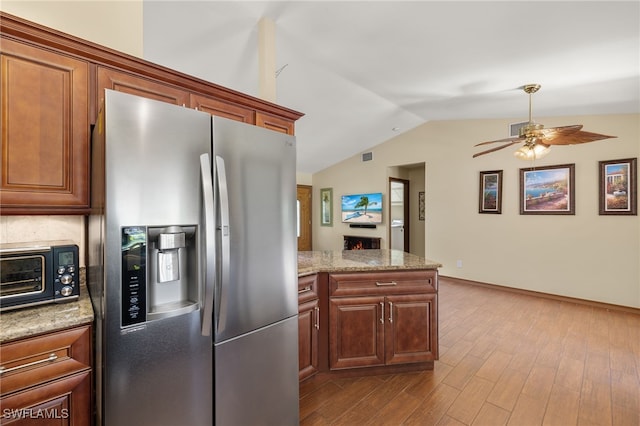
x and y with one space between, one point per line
537 140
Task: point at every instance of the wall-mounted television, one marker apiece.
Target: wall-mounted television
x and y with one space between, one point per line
362 208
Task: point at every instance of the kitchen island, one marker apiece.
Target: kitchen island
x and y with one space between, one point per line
366 312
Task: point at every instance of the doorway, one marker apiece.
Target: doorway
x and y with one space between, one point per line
304 217
399 223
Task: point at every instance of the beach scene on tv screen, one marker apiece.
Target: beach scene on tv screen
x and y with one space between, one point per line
362 208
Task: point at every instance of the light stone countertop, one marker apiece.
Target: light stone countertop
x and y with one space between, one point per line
311 262
26 322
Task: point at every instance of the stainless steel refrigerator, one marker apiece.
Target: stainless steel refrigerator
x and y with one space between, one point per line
192 268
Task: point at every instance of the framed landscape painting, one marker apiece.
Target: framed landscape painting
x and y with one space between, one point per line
548 190
618 180
326 207
490 194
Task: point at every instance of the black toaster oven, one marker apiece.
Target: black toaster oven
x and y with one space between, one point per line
36 273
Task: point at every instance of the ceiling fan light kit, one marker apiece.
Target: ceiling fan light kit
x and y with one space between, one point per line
532 152
537 139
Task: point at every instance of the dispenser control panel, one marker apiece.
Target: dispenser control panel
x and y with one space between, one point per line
134 275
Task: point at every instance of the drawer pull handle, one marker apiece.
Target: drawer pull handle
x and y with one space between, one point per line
382 313
50 358
317 318
379 284
304 290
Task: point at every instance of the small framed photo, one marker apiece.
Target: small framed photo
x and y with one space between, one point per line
490 193
421 205
618 181
548 190
326 207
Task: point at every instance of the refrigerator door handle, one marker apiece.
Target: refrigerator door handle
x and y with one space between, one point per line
223 202
210 239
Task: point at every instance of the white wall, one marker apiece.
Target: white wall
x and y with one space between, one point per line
586 255
113 23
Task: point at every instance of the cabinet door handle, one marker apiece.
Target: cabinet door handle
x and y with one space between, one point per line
379 284
317 318
50 358
304 290
390 312
382 313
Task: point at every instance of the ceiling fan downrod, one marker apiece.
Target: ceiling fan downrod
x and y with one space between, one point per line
526 131
530 89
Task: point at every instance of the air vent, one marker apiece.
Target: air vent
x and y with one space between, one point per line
367 156
514 128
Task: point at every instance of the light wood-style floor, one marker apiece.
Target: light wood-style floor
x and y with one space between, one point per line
505 359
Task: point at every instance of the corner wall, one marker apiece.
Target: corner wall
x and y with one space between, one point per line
112 23
585 256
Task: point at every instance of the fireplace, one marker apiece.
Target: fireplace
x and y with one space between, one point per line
352 242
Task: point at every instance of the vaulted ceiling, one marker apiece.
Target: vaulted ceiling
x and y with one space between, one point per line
364 72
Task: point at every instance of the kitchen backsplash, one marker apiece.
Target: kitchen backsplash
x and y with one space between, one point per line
18 229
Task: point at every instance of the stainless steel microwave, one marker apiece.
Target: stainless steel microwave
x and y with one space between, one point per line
37 273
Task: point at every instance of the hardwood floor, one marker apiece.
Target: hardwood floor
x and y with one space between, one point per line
505 359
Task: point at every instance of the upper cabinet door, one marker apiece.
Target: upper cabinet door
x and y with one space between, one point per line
134 85
45 131
272 122
222 108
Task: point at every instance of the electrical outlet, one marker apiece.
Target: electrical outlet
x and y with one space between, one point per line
459 263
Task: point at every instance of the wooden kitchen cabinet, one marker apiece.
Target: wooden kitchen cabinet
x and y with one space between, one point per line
275 123
382 318
308 326
45 131
221 108
411 329
135 85
47 379
52 87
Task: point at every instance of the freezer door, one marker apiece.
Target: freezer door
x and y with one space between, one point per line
158 371
255 192
256 377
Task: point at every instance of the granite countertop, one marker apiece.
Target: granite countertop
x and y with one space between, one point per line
311 262
27 322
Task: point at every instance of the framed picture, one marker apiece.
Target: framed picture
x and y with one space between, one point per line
490 194
421 205
548 190
618 180
326 207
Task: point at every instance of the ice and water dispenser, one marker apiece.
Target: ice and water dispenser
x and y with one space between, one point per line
159 273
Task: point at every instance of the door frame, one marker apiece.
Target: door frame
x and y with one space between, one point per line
405 213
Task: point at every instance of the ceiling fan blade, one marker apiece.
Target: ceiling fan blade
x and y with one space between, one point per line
561 130
552 133
497 148
577 137
516 138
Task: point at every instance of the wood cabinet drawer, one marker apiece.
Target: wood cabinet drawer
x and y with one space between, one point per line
37 360
307 288
378 283
65 401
